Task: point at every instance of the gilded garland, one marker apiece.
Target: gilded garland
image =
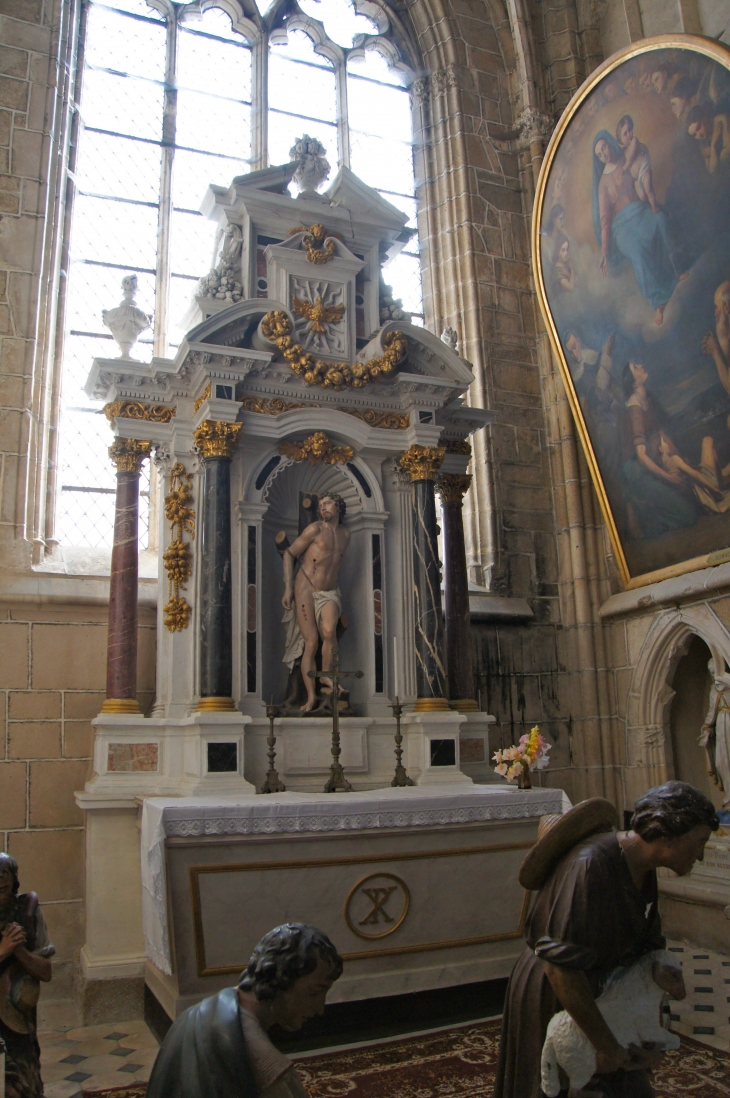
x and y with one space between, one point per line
277 328
315 449
177 556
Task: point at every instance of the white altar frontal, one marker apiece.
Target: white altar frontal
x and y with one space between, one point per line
418 888
298 379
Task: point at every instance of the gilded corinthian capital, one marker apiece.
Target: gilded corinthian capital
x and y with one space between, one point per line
217 439
452 487
129 453
422 462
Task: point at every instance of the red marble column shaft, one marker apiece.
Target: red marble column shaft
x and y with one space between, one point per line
121 665
121 668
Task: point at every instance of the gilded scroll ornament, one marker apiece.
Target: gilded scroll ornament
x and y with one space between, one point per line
198 404
129 453
319 315
277 328
389 421
457 446
216 439
315 449
273 407
422 462
312 242
452 487
135 409
177 556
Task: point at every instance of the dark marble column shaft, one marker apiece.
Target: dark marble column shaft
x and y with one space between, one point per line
422 463
457 620
216 637
121 667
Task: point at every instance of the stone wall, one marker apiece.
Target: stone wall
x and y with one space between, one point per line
52 678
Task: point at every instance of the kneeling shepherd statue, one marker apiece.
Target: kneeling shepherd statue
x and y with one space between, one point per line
219 1048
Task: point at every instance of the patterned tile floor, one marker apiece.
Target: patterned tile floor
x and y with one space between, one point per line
96 1058
705 1013
101 1057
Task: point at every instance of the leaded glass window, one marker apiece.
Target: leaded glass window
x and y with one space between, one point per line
172 100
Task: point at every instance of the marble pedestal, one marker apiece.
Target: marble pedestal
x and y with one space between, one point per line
217 874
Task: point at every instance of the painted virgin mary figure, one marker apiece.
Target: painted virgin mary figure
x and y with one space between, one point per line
627 228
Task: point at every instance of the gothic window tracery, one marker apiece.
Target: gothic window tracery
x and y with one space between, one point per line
175 97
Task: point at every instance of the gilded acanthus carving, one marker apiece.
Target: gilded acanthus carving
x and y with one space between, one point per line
198 404
129 453
312 243
390 421
135 409
422 462
277 327
275 406
457 446
319 315
452 487
315 449
216 439
177 556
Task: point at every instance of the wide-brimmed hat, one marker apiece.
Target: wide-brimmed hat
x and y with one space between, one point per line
19 994
557 835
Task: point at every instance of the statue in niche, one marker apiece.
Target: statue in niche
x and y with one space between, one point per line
126 323
715 735
312 167
312 600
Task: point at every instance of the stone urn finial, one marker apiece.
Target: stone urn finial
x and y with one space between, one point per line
126 322
312 167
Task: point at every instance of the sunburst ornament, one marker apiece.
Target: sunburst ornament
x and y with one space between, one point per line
319 315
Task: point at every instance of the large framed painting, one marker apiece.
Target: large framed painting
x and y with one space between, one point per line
631 252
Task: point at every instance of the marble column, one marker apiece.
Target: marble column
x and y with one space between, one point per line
457 622
422 464
216 442
127 455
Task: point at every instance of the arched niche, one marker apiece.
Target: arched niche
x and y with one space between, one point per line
281 497
691 684
649 707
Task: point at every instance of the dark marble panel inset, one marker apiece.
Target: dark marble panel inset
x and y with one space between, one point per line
430 671
216 636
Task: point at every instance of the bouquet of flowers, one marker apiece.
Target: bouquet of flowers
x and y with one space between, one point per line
531 753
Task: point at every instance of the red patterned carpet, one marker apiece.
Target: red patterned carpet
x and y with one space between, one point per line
459 1063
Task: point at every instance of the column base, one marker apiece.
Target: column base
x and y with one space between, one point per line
431 705
464 705
216 705
120 705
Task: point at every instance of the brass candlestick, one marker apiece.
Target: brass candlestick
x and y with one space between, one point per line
401 776
273 783
337 782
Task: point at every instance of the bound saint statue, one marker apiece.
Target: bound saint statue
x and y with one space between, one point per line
312 600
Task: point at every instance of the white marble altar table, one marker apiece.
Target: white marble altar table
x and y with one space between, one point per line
437 826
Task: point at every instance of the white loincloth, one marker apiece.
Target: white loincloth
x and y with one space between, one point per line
294 646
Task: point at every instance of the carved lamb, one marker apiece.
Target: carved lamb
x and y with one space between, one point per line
630 1003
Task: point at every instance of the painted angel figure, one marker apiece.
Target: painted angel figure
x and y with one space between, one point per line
715 735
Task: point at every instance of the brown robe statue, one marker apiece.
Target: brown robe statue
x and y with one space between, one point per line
588 915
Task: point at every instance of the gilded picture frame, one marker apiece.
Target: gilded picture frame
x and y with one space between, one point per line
631 261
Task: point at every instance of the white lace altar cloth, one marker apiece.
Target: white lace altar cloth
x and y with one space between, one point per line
287 813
